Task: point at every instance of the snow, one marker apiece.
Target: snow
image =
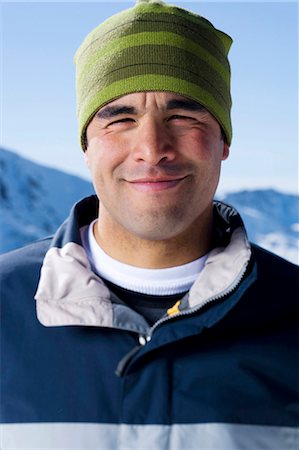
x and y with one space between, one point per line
295 227
35 199
281 245
252 213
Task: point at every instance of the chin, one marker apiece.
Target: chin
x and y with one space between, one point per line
157 231
160 224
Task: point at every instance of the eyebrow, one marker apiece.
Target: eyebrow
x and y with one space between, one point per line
188 105
111 111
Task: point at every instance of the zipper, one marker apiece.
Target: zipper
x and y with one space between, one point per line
214 298
124 362
144 339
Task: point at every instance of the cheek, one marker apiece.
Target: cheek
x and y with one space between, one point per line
202 147
104 155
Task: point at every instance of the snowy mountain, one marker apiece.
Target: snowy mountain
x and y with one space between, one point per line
271 219
35 200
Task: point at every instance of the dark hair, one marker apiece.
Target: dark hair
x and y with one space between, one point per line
84 141
223 137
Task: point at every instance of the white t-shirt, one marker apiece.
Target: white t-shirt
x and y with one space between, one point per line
160 282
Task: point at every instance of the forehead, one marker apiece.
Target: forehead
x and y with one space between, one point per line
154 99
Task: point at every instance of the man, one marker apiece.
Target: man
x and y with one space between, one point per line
155 325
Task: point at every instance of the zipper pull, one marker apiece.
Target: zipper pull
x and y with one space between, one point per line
123 363
143 340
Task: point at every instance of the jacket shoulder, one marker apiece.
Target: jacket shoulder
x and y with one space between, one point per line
277 285
23 260
273 264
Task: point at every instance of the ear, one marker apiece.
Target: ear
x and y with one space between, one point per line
225 151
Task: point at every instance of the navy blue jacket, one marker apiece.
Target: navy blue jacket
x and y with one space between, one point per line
82 370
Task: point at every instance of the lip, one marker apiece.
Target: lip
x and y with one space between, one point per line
155 184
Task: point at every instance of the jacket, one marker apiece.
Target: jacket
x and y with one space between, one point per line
80 370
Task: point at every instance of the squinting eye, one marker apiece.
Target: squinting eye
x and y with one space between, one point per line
126 119
178 117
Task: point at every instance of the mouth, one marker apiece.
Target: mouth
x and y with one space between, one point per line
155 184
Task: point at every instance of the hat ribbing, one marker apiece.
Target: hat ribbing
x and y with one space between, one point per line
154 47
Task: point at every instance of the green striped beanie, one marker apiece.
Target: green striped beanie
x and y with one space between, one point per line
154 47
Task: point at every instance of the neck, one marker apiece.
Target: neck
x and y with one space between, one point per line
155 254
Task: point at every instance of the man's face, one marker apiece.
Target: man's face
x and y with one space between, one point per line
155 160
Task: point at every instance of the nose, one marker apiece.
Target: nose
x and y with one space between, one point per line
153 143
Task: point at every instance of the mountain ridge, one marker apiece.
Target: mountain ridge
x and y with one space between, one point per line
35 199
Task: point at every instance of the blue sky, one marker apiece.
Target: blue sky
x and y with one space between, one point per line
39 39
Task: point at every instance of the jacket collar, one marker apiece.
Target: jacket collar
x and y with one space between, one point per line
70 293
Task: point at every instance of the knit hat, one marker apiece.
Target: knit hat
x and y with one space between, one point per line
154 47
